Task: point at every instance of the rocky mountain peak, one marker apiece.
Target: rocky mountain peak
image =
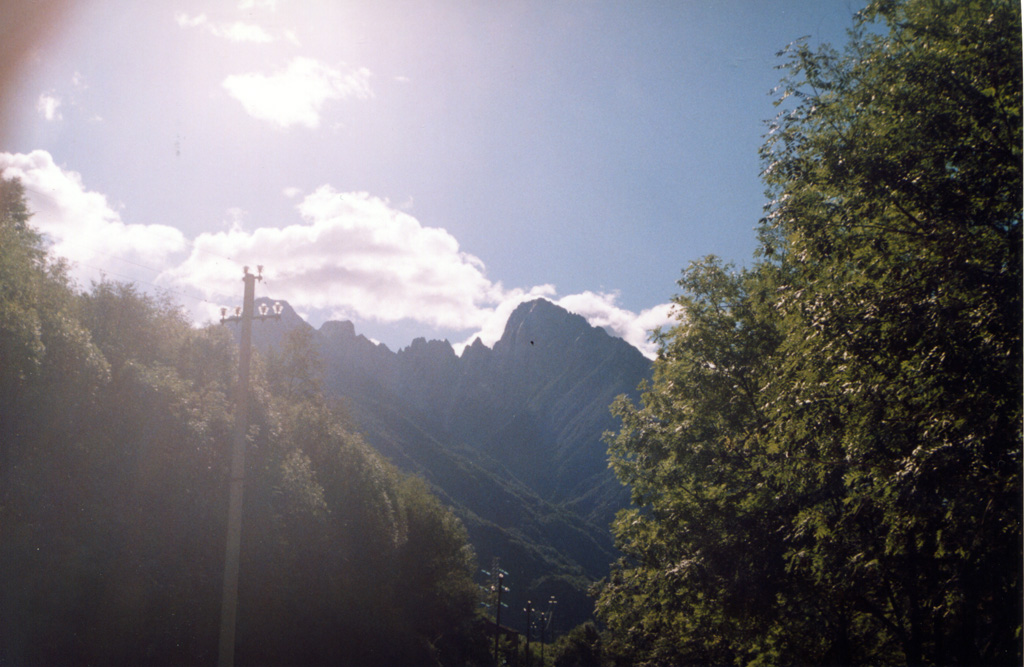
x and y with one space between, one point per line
541 324
477 347
335 329
424 349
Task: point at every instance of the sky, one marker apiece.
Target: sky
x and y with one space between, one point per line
417 167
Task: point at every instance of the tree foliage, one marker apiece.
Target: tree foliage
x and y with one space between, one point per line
580 647
115 424
828 462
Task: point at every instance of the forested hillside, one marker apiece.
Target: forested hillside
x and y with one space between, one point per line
115 419
828 462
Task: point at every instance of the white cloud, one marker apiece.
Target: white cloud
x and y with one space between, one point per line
601 310
49 107
82 225
243 32
291 192
295 95
186 21
356 254
236 31
251 4
353 255
235 220
495 317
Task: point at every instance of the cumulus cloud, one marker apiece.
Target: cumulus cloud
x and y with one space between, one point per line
81 224
352 255
49 107
356 254
601 310
494 316
236 31
295 95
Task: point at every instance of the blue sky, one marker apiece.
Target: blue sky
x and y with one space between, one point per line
417 167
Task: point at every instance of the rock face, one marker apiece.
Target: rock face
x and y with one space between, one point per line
511 437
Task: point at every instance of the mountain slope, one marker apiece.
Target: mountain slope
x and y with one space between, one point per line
510 437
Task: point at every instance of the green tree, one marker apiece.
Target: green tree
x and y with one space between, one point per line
829 459
435 564
46 356
347 560
580 647
50 372
115 420
704 556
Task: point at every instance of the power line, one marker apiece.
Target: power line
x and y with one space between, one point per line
145 282
190 243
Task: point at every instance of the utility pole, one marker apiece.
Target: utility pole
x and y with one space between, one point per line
545 624
497 618
229 600
497 576
526 657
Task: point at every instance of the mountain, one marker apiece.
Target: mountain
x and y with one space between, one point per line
509 436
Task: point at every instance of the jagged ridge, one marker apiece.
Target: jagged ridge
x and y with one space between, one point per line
509 436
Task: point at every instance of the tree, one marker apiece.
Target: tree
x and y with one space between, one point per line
580 647
840 480
114 423
434 563
704 563
45 354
